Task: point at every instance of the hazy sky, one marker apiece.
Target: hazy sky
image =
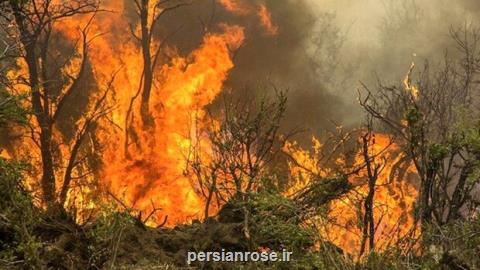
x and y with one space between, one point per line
364 17
360 16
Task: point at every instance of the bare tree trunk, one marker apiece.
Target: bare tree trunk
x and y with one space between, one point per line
211 191
459 194
48 176
426 203
368 231
147 64
29 41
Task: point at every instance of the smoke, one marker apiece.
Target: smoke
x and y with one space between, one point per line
383 37
299 57
323 48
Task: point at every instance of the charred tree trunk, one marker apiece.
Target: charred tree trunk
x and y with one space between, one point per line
34 25
29 41
459 194
149 13
147 63
211 191
368 232
426 193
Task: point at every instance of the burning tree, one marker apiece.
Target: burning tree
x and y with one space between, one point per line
149 14
237 150
435 121
367 185
51 79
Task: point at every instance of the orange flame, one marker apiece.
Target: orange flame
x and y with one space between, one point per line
235 6
261 11
152 175
155 176
266 20
395 194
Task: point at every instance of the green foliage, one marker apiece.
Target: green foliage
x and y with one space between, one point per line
379 261
18 215
306 260
467 138
413 116
274 221
456 244
322 191
109 223
452 246
107 233
12 193
19 2
438 151
471 136
11 110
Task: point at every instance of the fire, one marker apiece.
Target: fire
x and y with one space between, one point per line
407 84
153 176
261 11
307 162
235 6
394 199
5 155
266 20
144 168
148 173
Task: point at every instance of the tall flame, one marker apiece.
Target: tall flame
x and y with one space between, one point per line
155 176
152 176
148 174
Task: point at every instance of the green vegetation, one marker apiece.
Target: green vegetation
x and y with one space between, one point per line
234 162
11 110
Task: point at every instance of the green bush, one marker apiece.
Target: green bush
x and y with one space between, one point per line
18 217
454 245
11 110
273 221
